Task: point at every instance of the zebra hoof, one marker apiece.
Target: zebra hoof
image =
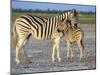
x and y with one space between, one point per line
59 59
17 62
68 57
53 60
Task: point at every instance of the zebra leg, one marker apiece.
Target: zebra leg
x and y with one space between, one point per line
58 54
68 51
80 45
18 46
27 61
68 46
21 42
53 53
71 52
57 48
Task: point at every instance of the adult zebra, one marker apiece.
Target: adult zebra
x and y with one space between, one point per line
40 28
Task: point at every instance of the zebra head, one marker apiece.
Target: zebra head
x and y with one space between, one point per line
61 25
72 16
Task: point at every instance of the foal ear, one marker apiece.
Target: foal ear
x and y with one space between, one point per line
75 12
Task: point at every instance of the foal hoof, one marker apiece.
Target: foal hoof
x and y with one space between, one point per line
69 59
28 62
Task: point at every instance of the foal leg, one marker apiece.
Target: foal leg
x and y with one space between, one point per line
69 51
81 47
68 47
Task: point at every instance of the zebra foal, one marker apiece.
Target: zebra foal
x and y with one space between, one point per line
74 34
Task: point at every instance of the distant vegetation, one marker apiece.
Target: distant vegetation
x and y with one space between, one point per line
46 11
85 17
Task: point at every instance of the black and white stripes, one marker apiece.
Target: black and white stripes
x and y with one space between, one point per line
43 28
39 27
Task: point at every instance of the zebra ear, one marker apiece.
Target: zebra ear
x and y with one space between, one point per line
75 11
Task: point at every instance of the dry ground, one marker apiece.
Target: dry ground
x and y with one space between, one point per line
40 54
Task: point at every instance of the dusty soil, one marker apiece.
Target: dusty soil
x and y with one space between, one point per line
40 54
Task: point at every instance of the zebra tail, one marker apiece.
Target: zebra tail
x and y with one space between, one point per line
14 36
